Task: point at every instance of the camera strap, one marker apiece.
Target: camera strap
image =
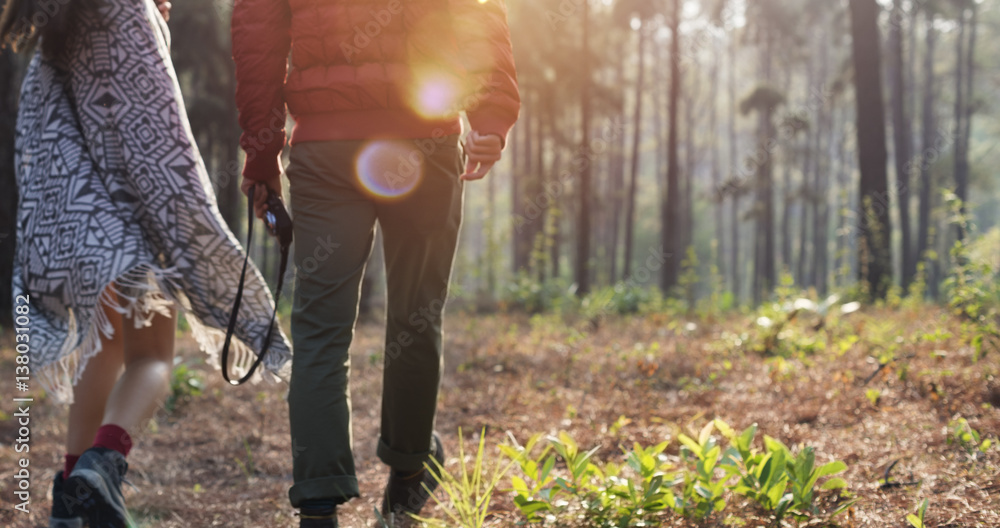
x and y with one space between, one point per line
285 244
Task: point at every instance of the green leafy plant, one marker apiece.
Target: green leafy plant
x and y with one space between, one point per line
622 500
701 492
469 490
622 299
533 296
185 384
917 521
534 494
873 395
249 468
804 475
761 476
792 328
562 484
777 480
962 434
973 291
608 495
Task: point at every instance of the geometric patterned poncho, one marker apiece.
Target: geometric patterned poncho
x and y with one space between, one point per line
114 193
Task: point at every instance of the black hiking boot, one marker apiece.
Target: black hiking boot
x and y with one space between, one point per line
407 493
61 516
94 488
318 518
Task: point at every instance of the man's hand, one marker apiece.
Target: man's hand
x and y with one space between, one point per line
164 7
260 193
483 152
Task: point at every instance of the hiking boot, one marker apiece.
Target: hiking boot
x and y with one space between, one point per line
318 518
407 493
94 489
61 516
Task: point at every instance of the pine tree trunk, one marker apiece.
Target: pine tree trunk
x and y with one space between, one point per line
690 162
671 220
734 162
961 164
764 273
555 219
491 256
634 175
875 252
821 174
617 172
713 126
582 272
902 131
970 105
927 138
807 162
516 202
538 236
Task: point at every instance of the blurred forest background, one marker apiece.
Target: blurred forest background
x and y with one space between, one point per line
710 150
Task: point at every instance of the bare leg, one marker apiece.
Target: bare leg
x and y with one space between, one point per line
149 354
90 395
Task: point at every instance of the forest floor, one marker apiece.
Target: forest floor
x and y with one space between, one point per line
222 458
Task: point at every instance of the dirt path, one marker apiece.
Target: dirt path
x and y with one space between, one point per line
222 458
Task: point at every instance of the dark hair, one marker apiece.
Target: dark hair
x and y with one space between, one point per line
23 22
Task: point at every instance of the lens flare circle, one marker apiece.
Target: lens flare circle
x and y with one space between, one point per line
390 169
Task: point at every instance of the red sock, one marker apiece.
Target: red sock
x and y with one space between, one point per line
113 437
70 463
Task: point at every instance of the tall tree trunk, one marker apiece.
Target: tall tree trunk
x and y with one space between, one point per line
787 265
9 83
713 126
809 152
821 172
690 162
928 137
636 140
582 274
843 200
491 256
961 163
764 269
970 104
617 172
876 251
734 162
902 134
539 239
555 220
671 220
516 202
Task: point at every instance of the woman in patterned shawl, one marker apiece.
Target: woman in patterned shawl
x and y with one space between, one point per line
117 229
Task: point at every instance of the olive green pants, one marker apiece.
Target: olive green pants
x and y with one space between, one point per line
337 195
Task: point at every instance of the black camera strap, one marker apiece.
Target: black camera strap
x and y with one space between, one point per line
285 243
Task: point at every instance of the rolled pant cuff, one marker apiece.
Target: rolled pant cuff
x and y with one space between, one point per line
402 461
339 489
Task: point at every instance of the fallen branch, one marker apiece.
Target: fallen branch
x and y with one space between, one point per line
886 479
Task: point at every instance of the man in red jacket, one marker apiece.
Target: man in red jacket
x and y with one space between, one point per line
375 88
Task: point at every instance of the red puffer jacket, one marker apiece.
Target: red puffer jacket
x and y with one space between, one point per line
363 69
